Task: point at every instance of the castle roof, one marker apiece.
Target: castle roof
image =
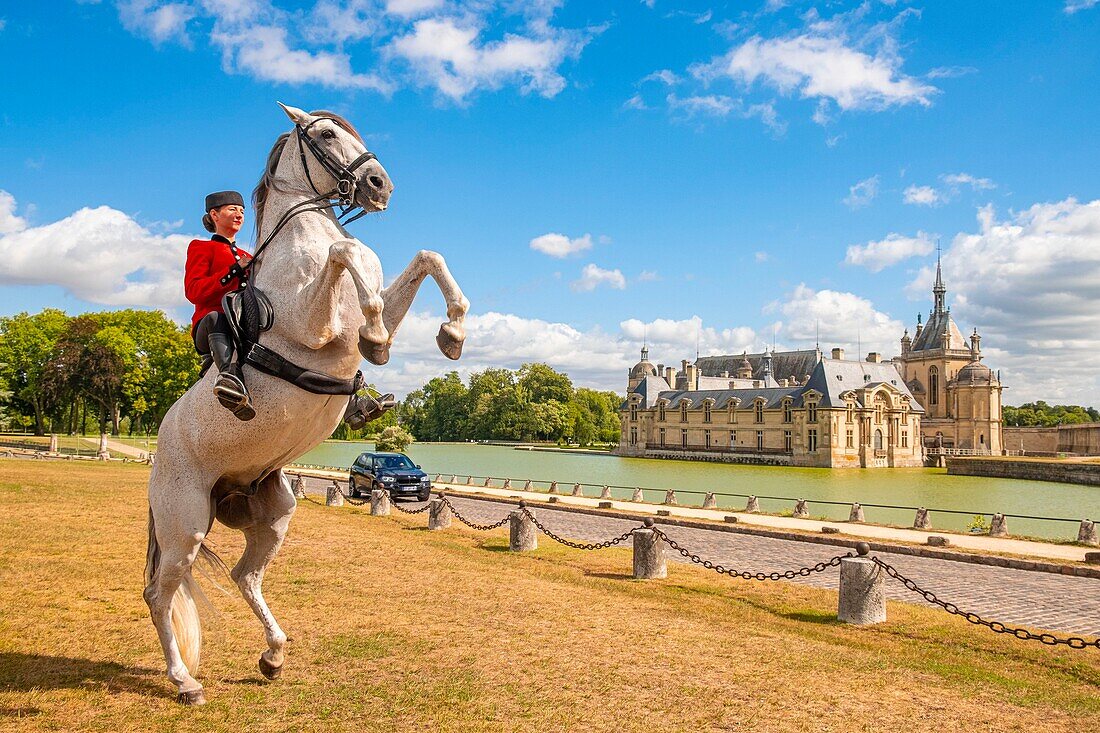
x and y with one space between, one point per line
931 337
785 364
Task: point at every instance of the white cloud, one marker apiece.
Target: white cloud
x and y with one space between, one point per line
712 104
840 318
91 254
889 251
412 7
160 22
559 245
1031 283
957 180
648 276
820 64
923 196
450 55
679 339
862 193
761 256
635 102
665 76
1072 6
593 276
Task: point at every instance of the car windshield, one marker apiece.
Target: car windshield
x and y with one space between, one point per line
395 462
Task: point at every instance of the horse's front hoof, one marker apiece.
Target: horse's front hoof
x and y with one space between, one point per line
192 697
377 354
448 342
269 670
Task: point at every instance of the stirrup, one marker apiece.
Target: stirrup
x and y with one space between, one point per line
367 409
231 392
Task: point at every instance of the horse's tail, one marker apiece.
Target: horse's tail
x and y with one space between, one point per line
186 625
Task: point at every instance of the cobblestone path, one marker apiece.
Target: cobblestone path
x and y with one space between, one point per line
1060 603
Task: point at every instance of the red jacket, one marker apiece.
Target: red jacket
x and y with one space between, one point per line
208 260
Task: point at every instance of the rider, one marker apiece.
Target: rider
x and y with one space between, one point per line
208 263
207 280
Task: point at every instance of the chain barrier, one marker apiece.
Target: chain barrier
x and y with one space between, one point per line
1073 642
399 508
578 545
746 574
351 500
474 525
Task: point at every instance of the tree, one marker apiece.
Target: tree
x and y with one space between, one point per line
27 342
394 438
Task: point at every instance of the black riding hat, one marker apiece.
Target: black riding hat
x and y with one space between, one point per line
223 198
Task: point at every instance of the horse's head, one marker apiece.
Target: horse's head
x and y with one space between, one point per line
336 159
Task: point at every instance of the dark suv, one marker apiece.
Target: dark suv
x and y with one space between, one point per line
391 471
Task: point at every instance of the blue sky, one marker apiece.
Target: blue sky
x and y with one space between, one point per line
720 174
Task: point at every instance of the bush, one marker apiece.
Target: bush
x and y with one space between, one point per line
393 438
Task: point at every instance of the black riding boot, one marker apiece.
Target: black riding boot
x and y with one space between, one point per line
229 386
363 409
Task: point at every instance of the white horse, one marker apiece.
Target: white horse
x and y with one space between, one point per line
329 307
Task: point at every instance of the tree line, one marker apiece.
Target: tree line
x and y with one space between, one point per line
1040 414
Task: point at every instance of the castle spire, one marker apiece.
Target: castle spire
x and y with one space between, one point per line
939 290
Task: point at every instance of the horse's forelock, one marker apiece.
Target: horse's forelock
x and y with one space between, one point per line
339 120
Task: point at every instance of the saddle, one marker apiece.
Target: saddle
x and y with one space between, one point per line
249 313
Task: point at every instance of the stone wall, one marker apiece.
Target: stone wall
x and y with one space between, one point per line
1082 440
1062 472
1032 441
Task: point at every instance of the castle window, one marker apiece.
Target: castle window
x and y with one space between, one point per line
634 436
933 386
683 412
661 412
733 438
849 413
786 411
633 413
788 441
732 414
661 436
759 440
811 412
706 438
904 438
849 439
683 439
706 412
878 439
759 414
811 440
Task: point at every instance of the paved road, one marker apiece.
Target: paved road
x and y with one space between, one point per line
1060 603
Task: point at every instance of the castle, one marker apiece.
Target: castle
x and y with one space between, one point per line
802 408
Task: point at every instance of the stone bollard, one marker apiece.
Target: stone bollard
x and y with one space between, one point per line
800 510
102 453
998 526
670 497
921 521
53 442
862 597
856 515
453 479
488 482
553 487
334 497
527 485
380 503
439 514
299 487
605 492
152 458
1086 535
469 480
637 495
522 534
752 505
577 490
709 502
507 484
649 553
439 478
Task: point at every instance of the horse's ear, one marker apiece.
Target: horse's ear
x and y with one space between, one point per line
297 116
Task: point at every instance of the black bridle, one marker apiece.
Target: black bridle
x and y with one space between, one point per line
347 186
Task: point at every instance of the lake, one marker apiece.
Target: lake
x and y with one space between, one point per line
908 487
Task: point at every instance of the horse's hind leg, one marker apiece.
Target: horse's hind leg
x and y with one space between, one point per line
178 526
398 298
270 511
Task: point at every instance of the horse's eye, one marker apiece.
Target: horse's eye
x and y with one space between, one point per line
328 134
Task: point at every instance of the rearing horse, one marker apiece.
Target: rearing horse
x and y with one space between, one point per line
329 305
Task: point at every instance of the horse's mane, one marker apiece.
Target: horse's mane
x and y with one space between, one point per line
267 180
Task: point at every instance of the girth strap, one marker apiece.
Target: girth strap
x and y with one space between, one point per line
268 362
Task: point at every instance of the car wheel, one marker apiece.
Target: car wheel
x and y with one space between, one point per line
353 490
423 496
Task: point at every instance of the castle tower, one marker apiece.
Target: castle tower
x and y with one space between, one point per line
640 371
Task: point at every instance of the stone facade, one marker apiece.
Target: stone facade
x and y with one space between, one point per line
842 413
960 395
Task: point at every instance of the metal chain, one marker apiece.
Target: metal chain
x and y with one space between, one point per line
397 506
748 575
474 525
1073 642
578 545
350 500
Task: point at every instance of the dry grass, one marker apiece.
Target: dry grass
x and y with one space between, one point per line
397 629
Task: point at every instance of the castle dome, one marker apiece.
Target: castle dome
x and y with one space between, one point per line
974 373
642 369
